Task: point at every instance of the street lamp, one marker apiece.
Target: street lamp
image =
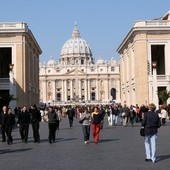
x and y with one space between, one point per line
154 65
11 66
11 83
155 88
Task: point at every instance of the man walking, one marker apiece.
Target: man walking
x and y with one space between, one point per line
2 124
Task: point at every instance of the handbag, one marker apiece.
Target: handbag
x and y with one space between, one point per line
123 114
142 132
81 120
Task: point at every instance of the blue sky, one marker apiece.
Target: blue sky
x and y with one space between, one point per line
102 23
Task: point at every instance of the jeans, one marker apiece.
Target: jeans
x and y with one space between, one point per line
150 147
115 119
86 132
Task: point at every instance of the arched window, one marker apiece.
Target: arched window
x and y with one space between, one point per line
93 96
58 97
82 61
113 93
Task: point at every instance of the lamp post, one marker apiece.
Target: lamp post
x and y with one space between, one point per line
155 88
11 84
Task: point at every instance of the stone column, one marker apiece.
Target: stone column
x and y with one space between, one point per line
97 89
80 89
71 89
89 90
65 90
106 89
53 90
85 90
62 90
118 90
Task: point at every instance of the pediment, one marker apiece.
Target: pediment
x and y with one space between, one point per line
73 72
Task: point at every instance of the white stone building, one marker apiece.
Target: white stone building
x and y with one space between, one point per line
77 78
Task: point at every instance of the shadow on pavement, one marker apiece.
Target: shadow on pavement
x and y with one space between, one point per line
58 140
107 140
14 151
162 157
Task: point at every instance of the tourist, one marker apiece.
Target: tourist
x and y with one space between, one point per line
96 119
125 115
115 115
110 116
9 121
35 120
71 113
151 123
52 121
23 124
2 124
85 117
58 112
164 114
132 114
102 113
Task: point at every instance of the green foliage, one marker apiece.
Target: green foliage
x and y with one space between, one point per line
164 95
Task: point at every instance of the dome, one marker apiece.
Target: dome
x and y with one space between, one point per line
51 62
75 46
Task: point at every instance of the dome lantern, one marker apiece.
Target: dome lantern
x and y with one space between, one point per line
76 48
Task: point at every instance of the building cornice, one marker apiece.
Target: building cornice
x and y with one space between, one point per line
18 27
150 25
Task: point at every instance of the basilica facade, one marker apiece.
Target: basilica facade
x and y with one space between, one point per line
76 77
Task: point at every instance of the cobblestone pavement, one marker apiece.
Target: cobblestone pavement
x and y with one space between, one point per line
119 148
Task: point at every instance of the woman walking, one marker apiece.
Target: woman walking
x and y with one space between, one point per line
96 119
85 118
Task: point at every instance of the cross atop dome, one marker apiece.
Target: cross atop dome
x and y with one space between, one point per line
76 33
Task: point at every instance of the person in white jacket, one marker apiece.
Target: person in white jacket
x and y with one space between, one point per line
164 114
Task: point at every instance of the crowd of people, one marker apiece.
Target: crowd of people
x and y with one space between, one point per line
91 117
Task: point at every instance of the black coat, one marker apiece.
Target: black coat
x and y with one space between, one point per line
9 120
2 118
70 113
151 123
35 115
24 118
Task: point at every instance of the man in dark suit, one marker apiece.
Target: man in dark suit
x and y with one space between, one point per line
2 124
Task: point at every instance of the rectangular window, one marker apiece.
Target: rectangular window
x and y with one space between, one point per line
158 56
5 60
112 68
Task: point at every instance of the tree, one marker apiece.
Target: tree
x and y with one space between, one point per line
164 96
